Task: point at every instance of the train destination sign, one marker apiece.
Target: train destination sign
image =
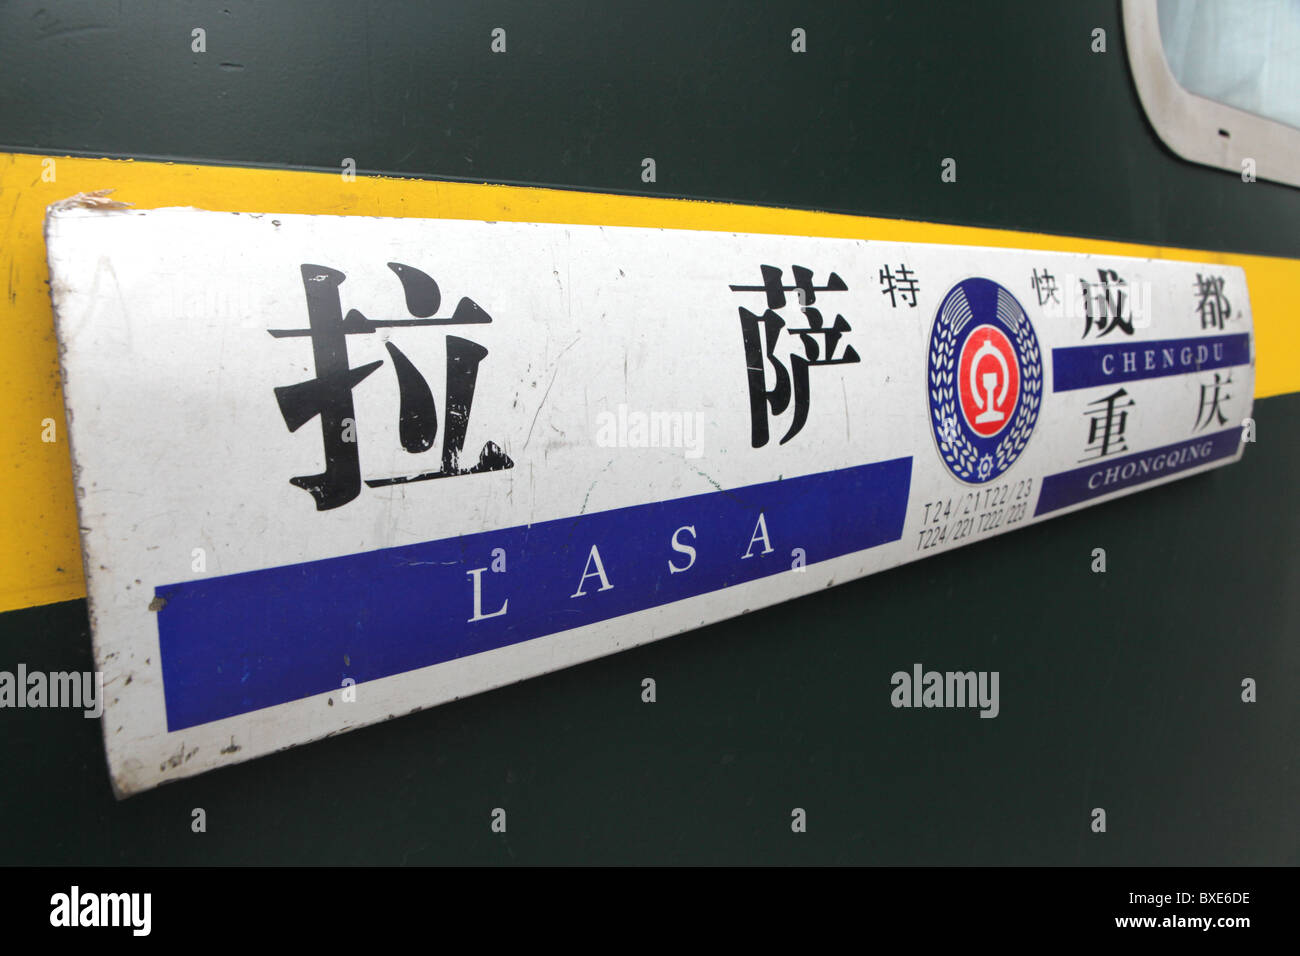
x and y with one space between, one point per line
335 469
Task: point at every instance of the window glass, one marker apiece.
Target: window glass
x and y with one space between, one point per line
1243 53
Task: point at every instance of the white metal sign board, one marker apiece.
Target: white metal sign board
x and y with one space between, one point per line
334 469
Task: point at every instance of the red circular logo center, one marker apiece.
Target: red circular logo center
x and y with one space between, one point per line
988 380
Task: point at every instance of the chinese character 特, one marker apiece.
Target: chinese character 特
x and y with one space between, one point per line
761 335
329 394
1107 424
1104 304
903 285
1213 307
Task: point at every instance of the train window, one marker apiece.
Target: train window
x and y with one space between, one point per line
1246 55
1218 81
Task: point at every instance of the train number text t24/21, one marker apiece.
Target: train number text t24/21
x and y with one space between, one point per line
949 520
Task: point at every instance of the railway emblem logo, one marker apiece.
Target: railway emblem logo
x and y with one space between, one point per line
985 380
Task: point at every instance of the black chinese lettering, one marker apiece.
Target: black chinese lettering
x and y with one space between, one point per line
1212 396
329 394
898 285
1213 306
1106 304
761 335
1044 287
1107 423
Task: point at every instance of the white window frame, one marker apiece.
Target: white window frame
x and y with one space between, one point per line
1199 129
